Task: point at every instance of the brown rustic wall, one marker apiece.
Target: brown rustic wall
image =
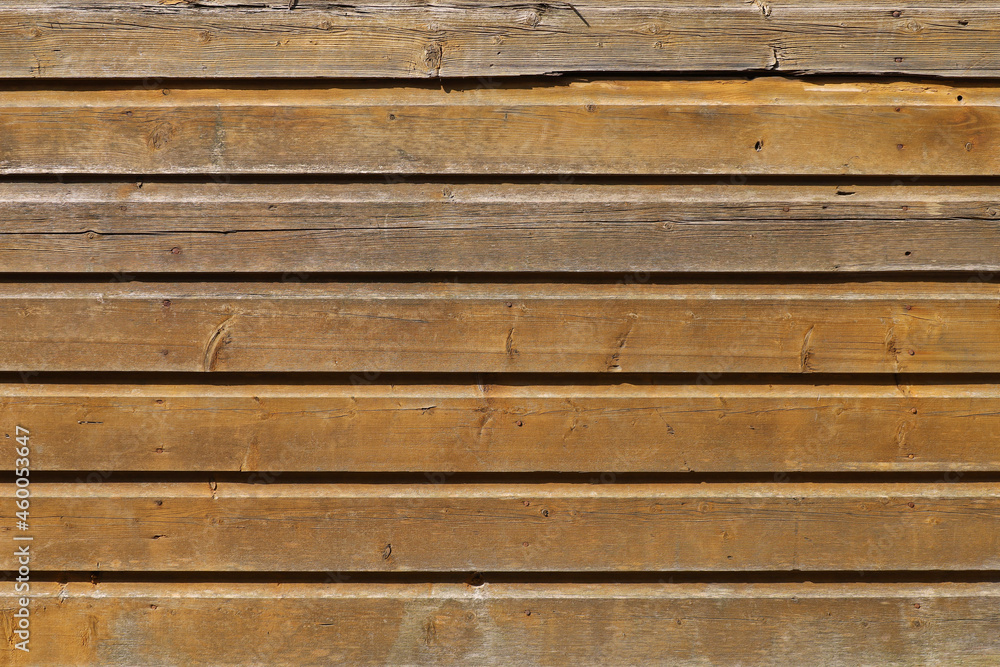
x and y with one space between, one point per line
500 333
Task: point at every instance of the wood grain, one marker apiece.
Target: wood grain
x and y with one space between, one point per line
519 427
508 624
639 126
397 38
246 527
863 327
188 471
293 228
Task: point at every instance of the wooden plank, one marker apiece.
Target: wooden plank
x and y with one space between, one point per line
253 227
246 527
507 624
504 427
638 126
866 327
397 38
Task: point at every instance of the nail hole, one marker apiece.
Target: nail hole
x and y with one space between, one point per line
907 253
758 146
959 98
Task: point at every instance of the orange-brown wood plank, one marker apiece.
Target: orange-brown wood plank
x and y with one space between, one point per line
124 624
397 38
292 227
863 327
641 126
286 526
506 427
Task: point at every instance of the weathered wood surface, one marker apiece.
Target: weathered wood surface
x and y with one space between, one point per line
864 327
253 227
641 126
176 477
398 38
508 624
247 527
507 428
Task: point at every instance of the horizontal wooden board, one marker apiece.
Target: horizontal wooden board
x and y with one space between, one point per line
399 38
254 227
863 327
640 126
228 526
447 428
507 624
